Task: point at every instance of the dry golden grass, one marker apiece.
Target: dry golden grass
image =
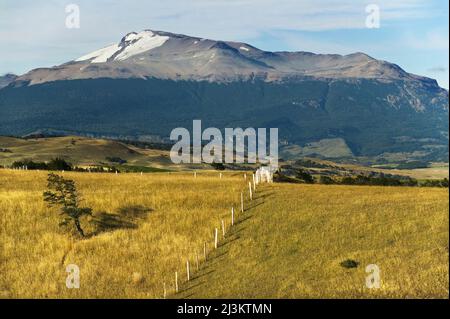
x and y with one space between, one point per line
288 244
291 245
123 263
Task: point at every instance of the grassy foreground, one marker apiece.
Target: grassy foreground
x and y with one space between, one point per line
291 245
144 229
289 242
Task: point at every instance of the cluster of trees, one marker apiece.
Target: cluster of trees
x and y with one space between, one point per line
435 183
302 176
218 166
59 164
382 180
56 164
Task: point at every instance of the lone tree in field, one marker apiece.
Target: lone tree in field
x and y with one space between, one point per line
63 193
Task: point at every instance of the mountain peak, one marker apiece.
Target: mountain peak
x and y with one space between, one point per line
165 55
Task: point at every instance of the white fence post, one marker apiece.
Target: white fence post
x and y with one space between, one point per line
176 281
188 272
216 238
223 229
232 216
250 190
164 290
242 202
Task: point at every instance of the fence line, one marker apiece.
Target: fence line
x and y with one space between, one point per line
252 191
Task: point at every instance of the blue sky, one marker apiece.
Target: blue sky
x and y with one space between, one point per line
413 33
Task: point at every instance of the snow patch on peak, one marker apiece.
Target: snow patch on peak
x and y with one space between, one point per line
244 48
130 37
140 43
132 44
100 56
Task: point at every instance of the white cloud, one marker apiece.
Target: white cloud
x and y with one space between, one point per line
432 40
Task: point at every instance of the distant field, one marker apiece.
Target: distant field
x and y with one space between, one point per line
289 243
433 172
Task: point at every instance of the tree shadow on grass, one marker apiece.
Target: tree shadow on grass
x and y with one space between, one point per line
127 217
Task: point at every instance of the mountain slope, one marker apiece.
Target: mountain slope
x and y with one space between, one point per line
152 82
6 79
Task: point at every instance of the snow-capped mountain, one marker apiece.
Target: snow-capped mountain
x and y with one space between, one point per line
166 55
152 81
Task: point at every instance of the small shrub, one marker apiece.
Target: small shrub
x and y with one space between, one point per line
326 180
218 166
58 164
349 263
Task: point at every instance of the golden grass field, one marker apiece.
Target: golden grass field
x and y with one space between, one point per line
178 214
287 244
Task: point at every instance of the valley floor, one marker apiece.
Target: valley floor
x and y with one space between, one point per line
289 243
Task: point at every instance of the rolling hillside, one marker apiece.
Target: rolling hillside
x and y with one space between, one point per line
81 151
